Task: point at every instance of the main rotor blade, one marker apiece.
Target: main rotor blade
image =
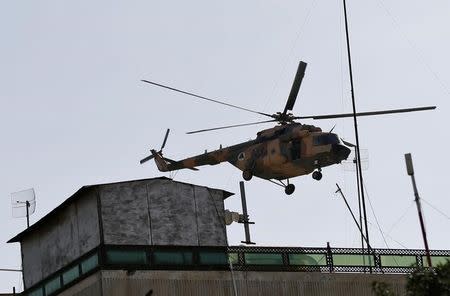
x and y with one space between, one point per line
229 126
165 139
328 116
205 98
295 86
146 159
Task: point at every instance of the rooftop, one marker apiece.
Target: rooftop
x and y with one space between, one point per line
80 192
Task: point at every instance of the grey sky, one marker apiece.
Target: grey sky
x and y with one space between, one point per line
73 110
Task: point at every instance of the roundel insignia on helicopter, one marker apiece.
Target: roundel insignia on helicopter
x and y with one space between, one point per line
241 156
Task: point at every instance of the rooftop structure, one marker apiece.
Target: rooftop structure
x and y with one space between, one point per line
167 237
147 212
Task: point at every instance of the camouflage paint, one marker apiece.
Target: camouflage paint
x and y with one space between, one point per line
281 152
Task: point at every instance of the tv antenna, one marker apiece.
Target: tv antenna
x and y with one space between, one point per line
350 164
23 204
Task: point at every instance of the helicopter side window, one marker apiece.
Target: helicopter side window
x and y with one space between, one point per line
325 139
296 149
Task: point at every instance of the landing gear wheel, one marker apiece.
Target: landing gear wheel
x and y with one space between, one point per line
247 175
289 189
317 175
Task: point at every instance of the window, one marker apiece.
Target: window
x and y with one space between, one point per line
263 259
213 258
89 264
398 260
126 257
71 275
308 259
296 149
36 292
435 260
172 258
353 260
52 285
325 139
233 258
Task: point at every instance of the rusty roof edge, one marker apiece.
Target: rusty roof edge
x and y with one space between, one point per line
83 189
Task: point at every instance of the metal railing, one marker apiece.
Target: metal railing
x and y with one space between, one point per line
241 258
332 259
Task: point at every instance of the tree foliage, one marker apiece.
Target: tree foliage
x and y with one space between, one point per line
421 282
382 289
425 282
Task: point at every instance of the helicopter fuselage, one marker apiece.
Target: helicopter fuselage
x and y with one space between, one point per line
285 151
282 152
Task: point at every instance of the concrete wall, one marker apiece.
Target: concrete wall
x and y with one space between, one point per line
162 212
124 213
209 207
121 283
90 286
31 260
69 234
148 212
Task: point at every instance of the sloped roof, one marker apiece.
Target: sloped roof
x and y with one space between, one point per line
80 192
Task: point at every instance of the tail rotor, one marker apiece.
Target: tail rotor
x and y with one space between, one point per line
158 152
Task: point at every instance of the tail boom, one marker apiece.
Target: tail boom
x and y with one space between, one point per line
165 165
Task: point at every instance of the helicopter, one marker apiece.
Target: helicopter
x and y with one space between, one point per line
285 151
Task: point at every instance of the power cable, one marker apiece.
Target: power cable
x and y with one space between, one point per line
375 216
418 52
378 225
389 236
401 217
435 208
283 69
174 174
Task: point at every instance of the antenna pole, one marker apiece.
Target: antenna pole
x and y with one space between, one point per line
410 171
245 221
355 123
359 205
27 205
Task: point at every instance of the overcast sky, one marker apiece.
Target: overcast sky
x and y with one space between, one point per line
74 112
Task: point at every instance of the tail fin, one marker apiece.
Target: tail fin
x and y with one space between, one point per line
157 155
160 162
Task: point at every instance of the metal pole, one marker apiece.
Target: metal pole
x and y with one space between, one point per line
9 269
339 190
410 171
359 205
355 123
27 204
245 215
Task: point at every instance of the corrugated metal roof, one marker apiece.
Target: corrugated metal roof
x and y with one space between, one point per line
83 189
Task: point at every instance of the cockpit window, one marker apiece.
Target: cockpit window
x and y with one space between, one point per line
325 139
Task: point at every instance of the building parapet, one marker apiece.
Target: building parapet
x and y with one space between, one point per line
133 258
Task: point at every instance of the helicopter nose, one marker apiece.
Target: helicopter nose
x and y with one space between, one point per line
341 151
